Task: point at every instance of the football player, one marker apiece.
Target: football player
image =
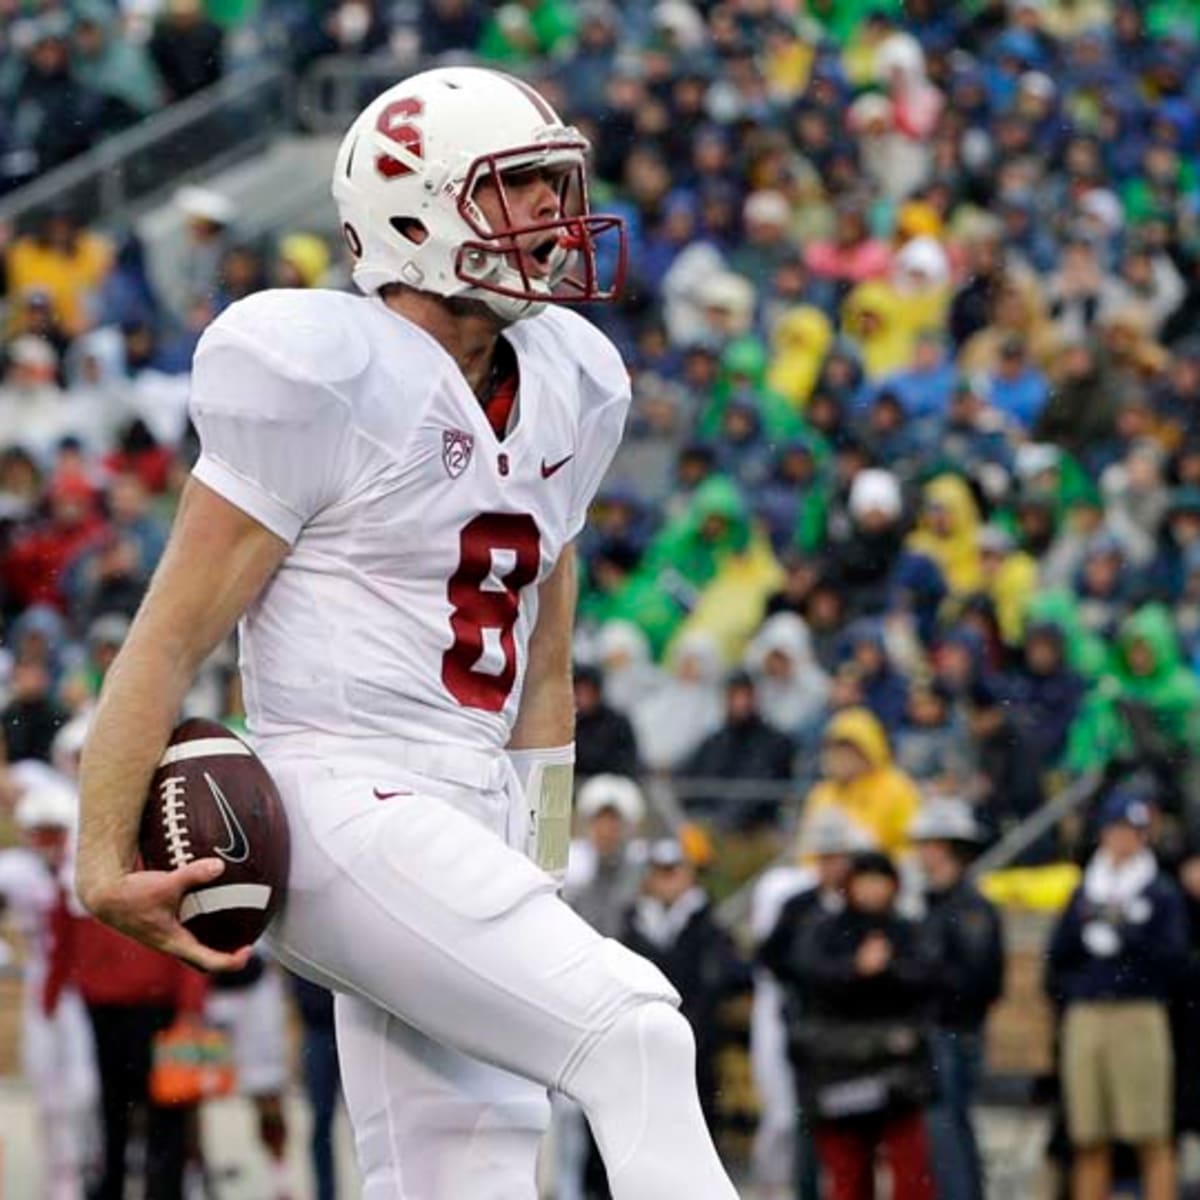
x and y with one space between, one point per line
386 497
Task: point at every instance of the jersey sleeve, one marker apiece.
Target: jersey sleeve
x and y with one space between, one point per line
604 406
273 435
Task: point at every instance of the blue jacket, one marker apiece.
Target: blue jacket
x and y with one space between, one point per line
1150 956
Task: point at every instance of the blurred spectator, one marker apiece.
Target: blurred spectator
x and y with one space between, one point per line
1006 785
672 721
527 29
784 1147
790 685
65 262
248 1005
57 1055
864 1071
1046 693
31 717
672 924
605 873
1148 708
863 555
53 115
604 738
949 532
319 1058
114 65
1112 965
884 690
932 747
745 749
860 780
187 48
207 217
967 939
33 568
132 993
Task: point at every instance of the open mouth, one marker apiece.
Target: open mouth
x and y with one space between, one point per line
542 251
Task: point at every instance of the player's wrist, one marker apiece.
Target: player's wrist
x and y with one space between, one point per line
547 778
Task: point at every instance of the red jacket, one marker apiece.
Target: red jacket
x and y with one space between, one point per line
108 968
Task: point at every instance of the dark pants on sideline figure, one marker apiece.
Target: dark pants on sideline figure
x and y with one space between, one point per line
958 1061
124 1048
321 1084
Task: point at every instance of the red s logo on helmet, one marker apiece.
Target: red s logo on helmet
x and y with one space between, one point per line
395 123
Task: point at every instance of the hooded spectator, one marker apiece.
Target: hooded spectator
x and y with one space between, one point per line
1150 706
629 674
790 685
860 780
1047 694
675 718
800 340
883 687
114 65
948 532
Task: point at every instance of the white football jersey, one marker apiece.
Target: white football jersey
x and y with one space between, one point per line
418 538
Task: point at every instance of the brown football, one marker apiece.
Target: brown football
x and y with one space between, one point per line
211 797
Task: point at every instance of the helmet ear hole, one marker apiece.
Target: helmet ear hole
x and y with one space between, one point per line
410 229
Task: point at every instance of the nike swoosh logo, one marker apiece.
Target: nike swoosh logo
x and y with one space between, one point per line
238 849
549 469
389 795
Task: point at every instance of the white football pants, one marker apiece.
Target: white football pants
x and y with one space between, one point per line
467 988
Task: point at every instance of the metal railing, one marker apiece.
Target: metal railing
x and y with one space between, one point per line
128 171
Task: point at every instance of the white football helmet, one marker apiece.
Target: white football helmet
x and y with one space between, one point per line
405 179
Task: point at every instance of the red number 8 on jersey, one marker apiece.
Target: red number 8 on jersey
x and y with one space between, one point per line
476 608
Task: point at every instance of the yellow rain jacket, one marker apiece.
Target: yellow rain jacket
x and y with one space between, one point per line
799 344
884 800
957 552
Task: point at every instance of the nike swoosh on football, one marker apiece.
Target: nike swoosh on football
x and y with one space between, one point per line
238 849
548 470
389 795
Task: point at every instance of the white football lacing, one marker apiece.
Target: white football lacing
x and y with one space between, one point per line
174 817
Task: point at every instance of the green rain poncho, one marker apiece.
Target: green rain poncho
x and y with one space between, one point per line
682 560
744 375
1169 692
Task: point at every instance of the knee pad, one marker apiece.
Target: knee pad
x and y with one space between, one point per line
645 1041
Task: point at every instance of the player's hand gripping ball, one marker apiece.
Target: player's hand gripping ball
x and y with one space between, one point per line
211 797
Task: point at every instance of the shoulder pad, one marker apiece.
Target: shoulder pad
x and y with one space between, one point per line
306 336
597 358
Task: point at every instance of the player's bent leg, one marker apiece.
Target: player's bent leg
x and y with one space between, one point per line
430 1122
638 1088
419 909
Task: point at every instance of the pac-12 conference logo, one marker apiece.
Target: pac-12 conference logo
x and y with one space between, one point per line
456 451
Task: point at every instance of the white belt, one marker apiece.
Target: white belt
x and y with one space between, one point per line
468 766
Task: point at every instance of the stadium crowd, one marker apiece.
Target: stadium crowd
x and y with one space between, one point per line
906 526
